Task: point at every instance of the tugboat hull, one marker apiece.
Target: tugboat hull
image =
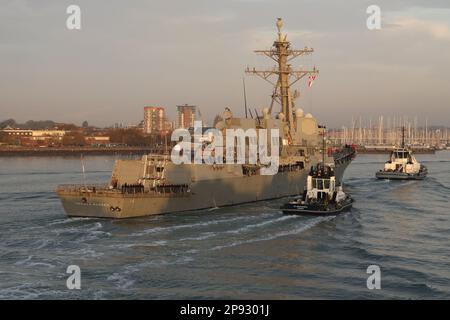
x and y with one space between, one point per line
401 175
298 209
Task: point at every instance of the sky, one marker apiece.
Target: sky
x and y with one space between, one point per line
130 54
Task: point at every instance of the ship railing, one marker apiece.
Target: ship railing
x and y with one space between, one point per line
345 154
131 190
83 188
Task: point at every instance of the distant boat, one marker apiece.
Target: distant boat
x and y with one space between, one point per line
402 165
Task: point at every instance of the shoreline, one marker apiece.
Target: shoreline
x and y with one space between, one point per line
77 151
388 151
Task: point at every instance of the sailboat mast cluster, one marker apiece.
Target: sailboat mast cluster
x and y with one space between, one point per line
387 131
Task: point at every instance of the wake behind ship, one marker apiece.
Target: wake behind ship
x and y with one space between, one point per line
156 185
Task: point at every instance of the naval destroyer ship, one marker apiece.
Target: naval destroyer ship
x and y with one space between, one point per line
156 185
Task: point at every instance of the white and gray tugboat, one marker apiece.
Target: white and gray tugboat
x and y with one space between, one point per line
402 165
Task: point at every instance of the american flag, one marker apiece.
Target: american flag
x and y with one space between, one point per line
311 80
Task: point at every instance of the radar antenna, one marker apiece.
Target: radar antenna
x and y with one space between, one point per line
282 53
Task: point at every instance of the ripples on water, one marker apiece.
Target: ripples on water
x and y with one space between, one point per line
250 251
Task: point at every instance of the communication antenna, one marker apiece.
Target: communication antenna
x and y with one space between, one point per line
245 97
257 117
323 146
403 137
84 172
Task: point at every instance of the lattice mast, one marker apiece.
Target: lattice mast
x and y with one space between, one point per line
282 54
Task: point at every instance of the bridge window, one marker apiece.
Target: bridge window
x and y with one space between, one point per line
319 184
401 155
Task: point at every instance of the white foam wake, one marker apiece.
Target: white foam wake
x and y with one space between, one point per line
296 230
261 224
197 224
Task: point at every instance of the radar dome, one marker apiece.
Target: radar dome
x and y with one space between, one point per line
299 113
227 114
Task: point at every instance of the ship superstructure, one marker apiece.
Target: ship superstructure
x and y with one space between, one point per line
154 184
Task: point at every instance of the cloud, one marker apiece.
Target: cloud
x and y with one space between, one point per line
201 19
437 30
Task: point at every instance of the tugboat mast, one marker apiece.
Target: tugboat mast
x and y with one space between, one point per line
403 137
282 53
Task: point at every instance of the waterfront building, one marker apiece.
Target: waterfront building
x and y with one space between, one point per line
35 134
186 116
34 137
154 120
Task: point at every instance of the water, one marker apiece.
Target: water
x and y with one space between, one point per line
245 252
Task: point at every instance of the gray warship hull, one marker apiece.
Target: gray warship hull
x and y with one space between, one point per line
204 194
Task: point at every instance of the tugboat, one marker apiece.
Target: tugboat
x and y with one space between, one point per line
402 165
322 196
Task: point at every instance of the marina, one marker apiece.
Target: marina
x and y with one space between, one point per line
383 134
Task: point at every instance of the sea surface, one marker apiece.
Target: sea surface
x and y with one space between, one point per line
251 251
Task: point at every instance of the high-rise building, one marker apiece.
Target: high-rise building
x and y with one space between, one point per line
186 116
154 120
